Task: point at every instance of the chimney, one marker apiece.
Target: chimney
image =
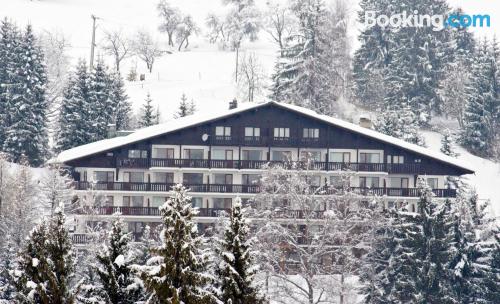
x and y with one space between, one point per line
233 104
365 121
111 130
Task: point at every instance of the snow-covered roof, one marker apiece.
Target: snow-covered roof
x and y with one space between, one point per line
184 122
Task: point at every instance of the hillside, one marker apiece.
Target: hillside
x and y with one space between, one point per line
203 72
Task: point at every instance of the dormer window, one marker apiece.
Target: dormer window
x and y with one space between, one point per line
310 133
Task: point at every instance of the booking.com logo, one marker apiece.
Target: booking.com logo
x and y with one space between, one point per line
437 22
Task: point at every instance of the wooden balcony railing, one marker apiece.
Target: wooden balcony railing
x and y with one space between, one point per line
248 189
410 168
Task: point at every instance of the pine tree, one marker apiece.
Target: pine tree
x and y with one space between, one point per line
100 101
447 144
185 108
419 262
177 271
400 122
27 105
117 280
302 74
74 122
45 265
481 112
148 118
236 270
121 104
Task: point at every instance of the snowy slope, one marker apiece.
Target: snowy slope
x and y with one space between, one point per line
487 177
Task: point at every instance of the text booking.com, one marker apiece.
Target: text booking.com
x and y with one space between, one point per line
437 22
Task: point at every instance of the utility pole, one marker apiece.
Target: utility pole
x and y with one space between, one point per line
92 46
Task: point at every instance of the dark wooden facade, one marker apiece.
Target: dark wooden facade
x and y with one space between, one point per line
268 117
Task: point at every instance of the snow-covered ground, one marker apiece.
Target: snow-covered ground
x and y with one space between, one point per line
204 73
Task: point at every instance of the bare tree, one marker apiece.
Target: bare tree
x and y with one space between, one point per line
279 23
116 45
185 29
309 234
171 18
216 28
251 77
147 48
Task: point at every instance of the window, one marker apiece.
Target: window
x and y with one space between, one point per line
250 179
222 131
137 154
158 201
133 201
164 153
223 179
282 132
193 153
395 159
164 177
310 133
251 155
222 154
197 202
340 157
310 155
370 158
135 227
104 176
192 178
339 181
369 182
252 132
109 154
222 203
109 202
133 177
281 155
314 180
399 182
432 182
418 160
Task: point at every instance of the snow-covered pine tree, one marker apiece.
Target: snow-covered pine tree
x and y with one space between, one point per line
420 259
372 57
120 102
400 122
74 126
472 252
447 144
482 104
303 69
147 118
419 56
27 105
45 265
56 189
177 271
236 269
119 284
101 103
185 108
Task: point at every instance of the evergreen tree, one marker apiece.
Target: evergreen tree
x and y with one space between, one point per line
117 280
373 56
121 103
400 122
185 108
481 112
236 270
74 122
302 74
101 103
148 118
27 105
447 144
420 259
45 265
177 271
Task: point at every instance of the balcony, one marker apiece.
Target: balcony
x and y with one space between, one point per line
411 168
248 189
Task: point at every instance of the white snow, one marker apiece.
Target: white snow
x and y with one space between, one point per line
35 262
120 260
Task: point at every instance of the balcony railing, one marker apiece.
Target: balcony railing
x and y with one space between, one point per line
411 168
248 189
